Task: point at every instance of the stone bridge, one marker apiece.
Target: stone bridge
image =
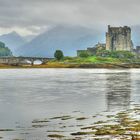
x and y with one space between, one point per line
22 60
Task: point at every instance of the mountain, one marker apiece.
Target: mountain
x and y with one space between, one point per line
29 38
12 40
66 38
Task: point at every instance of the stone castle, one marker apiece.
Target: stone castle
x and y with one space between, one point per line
119 39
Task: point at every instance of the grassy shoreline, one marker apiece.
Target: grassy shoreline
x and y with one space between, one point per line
77 62
70 65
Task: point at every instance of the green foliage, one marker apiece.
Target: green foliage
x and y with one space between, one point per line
103 59
58 55
68 58
4 51
125 54
92 59
103 53
115 54
84 54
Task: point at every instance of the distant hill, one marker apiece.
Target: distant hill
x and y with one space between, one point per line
12 40
4 51
66 38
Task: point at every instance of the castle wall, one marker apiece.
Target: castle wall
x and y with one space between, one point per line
119 39
108 41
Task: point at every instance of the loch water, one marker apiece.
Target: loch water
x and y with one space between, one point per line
29 94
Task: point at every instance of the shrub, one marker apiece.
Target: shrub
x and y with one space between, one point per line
103 53
115 54
83 54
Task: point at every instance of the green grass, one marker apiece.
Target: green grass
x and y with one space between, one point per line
91 59
102 60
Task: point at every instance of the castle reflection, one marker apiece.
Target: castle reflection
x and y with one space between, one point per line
118 91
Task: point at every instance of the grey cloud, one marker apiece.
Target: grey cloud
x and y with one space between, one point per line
90 13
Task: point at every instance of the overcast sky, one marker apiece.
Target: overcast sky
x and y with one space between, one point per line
34 16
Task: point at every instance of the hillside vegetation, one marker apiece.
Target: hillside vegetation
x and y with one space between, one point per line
4 51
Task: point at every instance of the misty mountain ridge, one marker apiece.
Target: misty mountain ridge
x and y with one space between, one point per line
12 40
69 39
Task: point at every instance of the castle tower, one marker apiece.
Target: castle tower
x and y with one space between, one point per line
119 39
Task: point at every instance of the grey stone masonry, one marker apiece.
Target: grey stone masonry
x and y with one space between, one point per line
119 39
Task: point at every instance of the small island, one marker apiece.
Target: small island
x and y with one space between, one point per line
117 52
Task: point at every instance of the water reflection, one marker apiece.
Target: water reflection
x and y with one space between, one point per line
118 91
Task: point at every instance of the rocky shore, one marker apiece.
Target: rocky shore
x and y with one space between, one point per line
122 125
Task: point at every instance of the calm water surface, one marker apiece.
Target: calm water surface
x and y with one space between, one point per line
28 94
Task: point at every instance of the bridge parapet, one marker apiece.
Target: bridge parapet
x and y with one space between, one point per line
22 60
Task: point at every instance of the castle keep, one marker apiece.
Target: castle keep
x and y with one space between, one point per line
119 39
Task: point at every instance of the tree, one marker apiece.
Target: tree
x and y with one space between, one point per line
58 54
